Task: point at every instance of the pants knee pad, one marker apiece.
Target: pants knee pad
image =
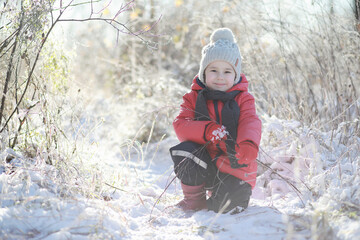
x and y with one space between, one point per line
191 162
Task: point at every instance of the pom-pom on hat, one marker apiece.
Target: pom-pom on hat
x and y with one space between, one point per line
222 47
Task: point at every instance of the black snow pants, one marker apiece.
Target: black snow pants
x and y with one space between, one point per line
194 166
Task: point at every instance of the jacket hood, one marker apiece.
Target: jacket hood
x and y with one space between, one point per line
242 85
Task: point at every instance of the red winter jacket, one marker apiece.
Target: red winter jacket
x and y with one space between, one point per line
249 127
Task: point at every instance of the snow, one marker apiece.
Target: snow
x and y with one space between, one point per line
306 188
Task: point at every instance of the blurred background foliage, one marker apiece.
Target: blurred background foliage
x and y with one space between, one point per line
301 59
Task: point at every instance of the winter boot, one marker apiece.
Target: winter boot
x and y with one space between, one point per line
194 198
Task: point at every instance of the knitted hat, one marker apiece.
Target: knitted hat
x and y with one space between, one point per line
223 47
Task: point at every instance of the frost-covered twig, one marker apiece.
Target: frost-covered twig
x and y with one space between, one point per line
107 184
158 199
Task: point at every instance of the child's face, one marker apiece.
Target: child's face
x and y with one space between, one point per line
219 75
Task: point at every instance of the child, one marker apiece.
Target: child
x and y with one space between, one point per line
219 132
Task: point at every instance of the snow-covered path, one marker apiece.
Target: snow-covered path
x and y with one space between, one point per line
161 221
30 209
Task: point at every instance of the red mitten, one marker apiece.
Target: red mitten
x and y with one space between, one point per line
246 152
215 133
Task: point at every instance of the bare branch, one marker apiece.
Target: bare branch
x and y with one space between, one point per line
92 8
10 66
125 8
4 43
112 21
101 10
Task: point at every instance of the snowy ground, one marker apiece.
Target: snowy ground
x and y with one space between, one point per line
136 194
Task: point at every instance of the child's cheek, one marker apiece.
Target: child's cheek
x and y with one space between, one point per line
211 75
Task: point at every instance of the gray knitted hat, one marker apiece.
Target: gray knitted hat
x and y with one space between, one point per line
223 47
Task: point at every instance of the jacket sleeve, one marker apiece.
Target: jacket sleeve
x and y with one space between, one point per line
186 128
249 127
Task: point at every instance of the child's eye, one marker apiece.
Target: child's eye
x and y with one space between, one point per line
213 70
